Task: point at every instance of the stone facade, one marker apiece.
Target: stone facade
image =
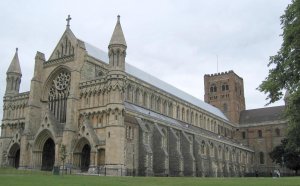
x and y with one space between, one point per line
260 129
112 116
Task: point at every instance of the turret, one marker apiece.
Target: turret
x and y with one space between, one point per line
117 48
13 76
116 81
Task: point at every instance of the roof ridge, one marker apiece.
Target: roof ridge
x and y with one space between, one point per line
156 82
264 108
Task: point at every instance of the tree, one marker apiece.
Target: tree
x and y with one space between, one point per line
63 155
285 156
285 72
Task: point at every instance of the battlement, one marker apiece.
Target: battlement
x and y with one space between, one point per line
222 74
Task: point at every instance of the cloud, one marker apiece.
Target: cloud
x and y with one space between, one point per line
176 41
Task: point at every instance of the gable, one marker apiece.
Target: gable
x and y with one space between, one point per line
65 47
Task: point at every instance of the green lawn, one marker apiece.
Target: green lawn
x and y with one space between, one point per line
12 178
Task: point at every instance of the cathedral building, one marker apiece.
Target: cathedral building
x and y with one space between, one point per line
260 129
112 116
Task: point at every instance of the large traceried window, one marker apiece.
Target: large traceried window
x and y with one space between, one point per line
58 95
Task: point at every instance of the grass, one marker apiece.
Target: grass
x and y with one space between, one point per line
10 177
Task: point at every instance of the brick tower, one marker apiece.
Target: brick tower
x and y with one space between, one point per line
225 91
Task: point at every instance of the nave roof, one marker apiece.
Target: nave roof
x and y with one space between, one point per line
148 78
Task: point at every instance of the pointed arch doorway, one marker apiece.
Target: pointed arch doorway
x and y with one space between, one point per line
85 158
48 155
14 156
82 154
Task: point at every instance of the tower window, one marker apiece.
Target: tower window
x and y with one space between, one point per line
225 87
213 88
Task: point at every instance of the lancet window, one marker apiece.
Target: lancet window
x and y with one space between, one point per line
58 95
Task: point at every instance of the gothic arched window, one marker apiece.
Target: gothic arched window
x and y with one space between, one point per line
170 109
158 103
165 105
129 93
203 148
177 112
58 95
183 114
187 115
152 102
137 96
145 99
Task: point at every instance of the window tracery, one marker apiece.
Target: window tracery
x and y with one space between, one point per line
58 94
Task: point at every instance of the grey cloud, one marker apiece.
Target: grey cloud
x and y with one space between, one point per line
176 41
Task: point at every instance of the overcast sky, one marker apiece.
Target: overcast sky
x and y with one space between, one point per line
176 41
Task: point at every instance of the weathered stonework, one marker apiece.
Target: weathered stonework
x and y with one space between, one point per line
111 120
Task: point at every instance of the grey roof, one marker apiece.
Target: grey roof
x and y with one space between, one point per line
96 52
133 71
118 36
262 115
15 64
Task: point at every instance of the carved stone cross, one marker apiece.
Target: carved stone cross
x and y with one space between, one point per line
68 20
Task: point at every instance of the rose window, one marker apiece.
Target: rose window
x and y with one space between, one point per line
62 81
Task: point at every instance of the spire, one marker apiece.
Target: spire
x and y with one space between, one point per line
117 37
14 66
